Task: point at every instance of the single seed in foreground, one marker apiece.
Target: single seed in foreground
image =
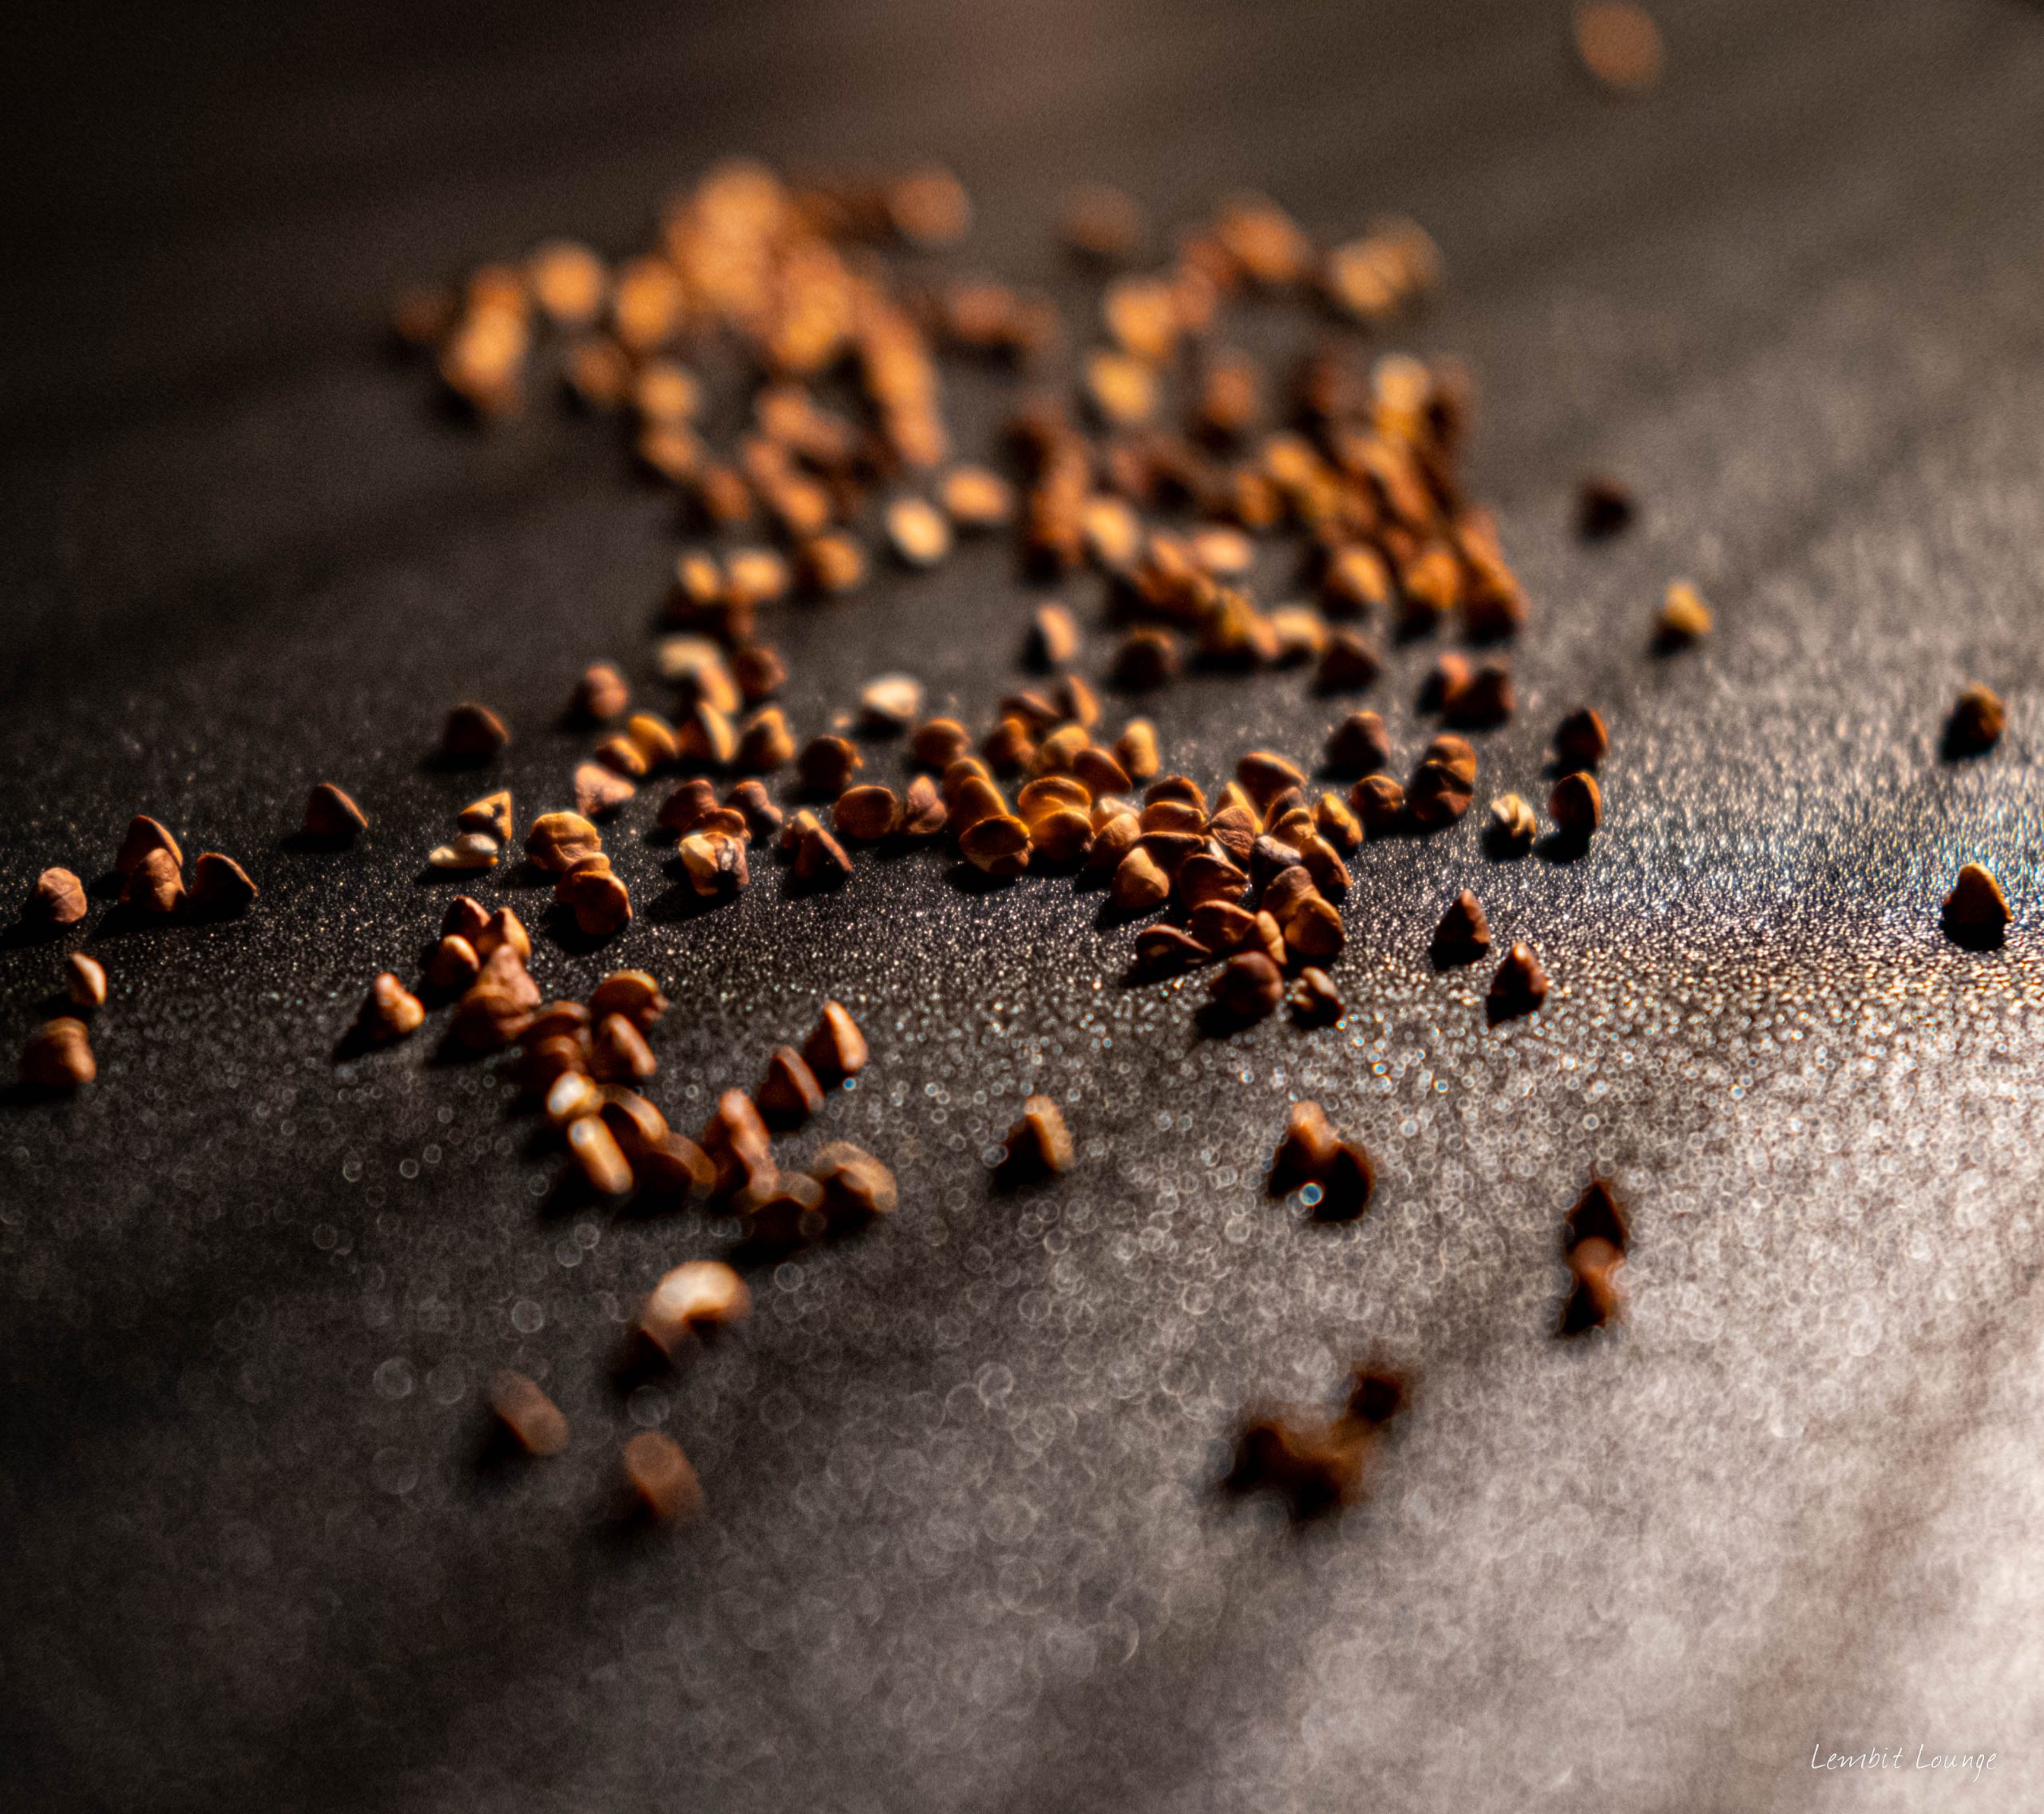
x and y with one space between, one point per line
1039 1143
1976 912
529 1419
662 1484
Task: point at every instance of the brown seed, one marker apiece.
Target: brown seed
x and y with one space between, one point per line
1603 507
330 815
1114 837
84 980
789 1094
144 837
997 845
700 674
1264 776
1581 740
1315 1000
154 885
220 887
1204 876
1313 929
1976 722
1010 747
826 766
1976 912
1349 663
837 1049
1463 934
1440 794
1063 836
1379 803
750 801
856 1187
889 705
1305 1151
1595 1295
1597 1214
1487 699
599 791
618 1052
1162 951
498 1005
939 742
692 806
1511 825
1136 749
1053 639
673 1171
57 899
600 695
473 734
714 861
831 563
662 1484
977 499
1039 1143
454 964
1577 807
735 1138
1358 745
1620 46
1100 223
1316 1465
698 1295
1249 986
1355 580
528 1417
1222 927
917 531
1684 618
1336 823
390 1011
464 918
623 756
705 736
1519 986
758 673
654 738
1350 1179
819 858
58 1055
1148 658
1235 828
1139 884
556 842
1168 815
867 814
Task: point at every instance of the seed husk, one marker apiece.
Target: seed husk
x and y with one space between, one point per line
1684 618
662 1484
600 791
1976 912
889 705
527 1417
1603 507
714 861
473 734
826 766
998 844
84 980
1315 1000
57 899
1577 807
1039 1143
145 836
154 885
1053 637
1511 825
1349 663
1249 986
1619 45
556 842
601 694
750 801
1463 934
1379 803
58 1055
331 815
390 1011
917 531
1976 722
455 965
1146 658
1519 986
867 814
1581 740
789 1094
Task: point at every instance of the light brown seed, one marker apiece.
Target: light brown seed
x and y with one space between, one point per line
1101 774
654 740
832 562
917 531
330 815
1009 747
57 899
1313 929
1305 1151
977 499
705 737
623 756
1519 986
58 1055
154 886
1136 749
856 1187
698 1295
618 1052
1336 823
455 965
600 791
1053 639
692 806
1976 722
662 1484
491 814
473 734
1577 807
527 1417
1379 802
889 703
1620 46
789 1094
556 842
1355 582
1040 1142
1121 388
1684 618
997 845
145 836
595 1150
1511 825
631 993
464 918
1976 912
1249 986
714 861
600 695
84 980
1139 884
390 1011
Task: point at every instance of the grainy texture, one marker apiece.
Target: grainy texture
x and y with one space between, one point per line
960 1545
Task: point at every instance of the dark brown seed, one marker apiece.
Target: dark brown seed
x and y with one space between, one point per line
84 980
789 1094
145 836
867 814
691 807
454 964
1264 776
837 1049
1379 804
220 886
618 1052
938 742
600 791
758 672
1305 1150
735 1138
59 1055
57 899
528 1417
1463 934
598 900
1284 888
1349 663
1603 507
632 993
1164 951
498 1005
1315 1000
1350 1179
1439 795
1148 658
750 801
856 1187
1577 807
464 918
1519 986
1205 877
1488 699
1976 912
1598 1214
600 695
1313 929
673 1171
826 766
1039 1143
1235 829
819 858
154 885
1595 1296
923 813
634 1122
1249 986
1316 1466
473 734
390 1011
662 1484
330 815
1580 739
1009 747
1446 680
997 845
1976 722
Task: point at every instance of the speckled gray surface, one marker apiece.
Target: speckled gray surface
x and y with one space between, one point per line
961 1546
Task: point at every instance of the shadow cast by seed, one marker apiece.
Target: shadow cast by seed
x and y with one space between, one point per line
1976 938
1498 1009
1500 846
560 925
1957 744
1454 954
24 931
969 879
679 903
1560 847
302 843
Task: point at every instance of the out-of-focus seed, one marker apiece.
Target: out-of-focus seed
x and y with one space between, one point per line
673 1171
528 1419
1619 45
889 703
1315 1000
856 1187
1976 912
1053 638
765 744
819 858
1136 749
600 791
1121 388
618 1052
154 886
696 1296
1038 1143
1349 663
1359 745
631 993
1519 986
1684 618
938 742
498 1005
831 563
455 964
917 531
1100 773
836 1049
1463 934
57 899
705 736
826 766
1511 825
144 837
1576 805
655 739
595 1150
598 899
691 806
977 499
1162 951
1264 775
491 813
600 695
1336 823
473 734
390 1011
1581 740
84 980
332 816
1100 223
1976 722
1486 699
789 1094
750 801
58 1055
1248 986
465 918
1304 1151
1603 507
662 1484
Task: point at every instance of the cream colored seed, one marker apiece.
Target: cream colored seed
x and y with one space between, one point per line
472 850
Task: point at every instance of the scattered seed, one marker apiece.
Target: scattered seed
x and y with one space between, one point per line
390 1011
1463 934
1485 701
1053 636
750 801
819 858
662 1484
1139 884
1577 807
789 1094
977 499
831 564
673 1171
84 980
1315 1000
600 695
997 845
58 1055
455 965
1358 745
600 791
473 734
556 842
330 815
1249 986
1512 826
1620 46
498 1006
528 1417
1039 1143
1313 929
1976 912
154 885
890 703
472 850
618 1052
1519 986
856 1187
826 766
1379 803
144 837
1684 618
1349 663
714 861
917 531
1443 785
57 899
1603 507
1976 722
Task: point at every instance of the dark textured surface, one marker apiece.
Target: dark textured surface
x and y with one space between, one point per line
961 1546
